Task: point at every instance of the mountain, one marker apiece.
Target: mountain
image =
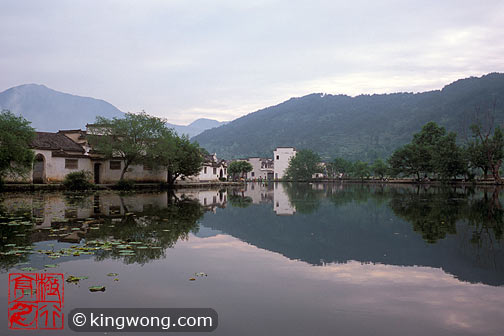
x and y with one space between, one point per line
364 127
197 126
51 110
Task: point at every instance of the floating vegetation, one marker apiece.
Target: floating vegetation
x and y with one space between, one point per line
97 289
75 279
28 269
112 274
51 265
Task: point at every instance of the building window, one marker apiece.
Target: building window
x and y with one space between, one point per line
204 170
115 165
71 163
278 157
253 174
215 171
147 167
225 171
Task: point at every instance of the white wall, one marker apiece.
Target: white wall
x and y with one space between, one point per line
134 172
281 158
54 168
257 171
209 175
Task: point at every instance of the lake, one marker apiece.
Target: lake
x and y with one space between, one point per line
272 259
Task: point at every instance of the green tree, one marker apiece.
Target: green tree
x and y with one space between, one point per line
491 147
236 168
16 135
432 151
379 168
129 138
448 158
303 165
406 161
361 169
475 154
338 166
177 154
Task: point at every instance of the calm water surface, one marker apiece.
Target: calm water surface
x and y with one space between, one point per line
281 259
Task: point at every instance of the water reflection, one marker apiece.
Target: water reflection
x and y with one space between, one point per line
456 229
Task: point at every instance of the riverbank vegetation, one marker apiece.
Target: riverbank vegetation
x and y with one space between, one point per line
144 139
16 135
433 154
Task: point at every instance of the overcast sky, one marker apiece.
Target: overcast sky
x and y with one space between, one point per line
221 59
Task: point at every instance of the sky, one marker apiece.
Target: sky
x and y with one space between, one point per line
221 59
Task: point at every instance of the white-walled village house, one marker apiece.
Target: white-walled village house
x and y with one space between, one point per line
67 151
281 159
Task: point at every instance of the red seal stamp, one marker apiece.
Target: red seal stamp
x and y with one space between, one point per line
36 300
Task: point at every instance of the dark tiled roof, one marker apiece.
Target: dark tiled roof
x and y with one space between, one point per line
55 141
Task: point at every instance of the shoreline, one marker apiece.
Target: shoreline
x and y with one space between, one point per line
25 187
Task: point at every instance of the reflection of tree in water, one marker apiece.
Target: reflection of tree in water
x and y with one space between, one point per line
486 216
342 194
435 212
158 227
239 201
304 197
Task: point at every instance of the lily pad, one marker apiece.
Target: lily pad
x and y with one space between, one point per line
28 269
51 265
75 279
97 289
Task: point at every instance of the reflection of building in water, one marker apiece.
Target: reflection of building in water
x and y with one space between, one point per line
210 199
48 209
282 204
258 192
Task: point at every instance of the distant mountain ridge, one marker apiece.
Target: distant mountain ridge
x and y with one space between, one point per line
197 126
364 127
50 110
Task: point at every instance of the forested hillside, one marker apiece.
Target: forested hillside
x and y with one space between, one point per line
363 127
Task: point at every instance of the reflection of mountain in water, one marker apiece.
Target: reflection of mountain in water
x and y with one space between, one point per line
356 224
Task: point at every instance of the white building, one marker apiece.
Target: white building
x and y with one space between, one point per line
281 159
64 152
262 169
213 169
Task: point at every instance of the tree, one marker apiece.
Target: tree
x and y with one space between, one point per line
178 155
361 169
16 136
448 158
338 166
432 151
239 168
406 160
475 154
379 168
303 165
129 138
490 147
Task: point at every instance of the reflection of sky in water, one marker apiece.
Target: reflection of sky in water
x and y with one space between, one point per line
257 292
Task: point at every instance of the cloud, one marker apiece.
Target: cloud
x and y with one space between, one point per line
222 59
